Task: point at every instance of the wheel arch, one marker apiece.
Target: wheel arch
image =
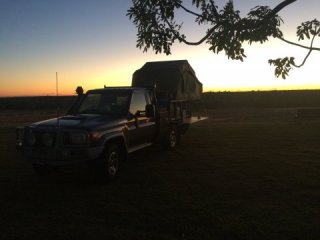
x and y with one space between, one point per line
118 140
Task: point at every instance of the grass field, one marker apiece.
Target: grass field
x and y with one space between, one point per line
241 174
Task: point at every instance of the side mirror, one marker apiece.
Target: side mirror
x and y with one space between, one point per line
150 112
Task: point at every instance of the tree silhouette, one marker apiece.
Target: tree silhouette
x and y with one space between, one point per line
226 30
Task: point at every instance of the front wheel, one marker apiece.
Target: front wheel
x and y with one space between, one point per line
172 139
107 167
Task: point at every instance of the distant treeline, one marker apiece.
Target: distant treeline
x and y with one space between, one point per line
37 103
259 99
262 99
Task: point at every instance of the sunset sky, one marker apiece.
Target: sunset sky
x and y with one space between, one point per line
92 43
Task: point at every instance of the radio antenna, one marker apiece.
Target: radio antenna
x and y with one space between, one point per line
57 84
57 92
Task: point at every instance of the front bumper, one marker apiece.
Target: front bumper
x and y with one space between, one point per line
60 156
53 147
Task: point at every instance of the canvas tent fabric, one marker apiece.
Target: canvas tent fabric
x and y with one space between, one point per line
175 77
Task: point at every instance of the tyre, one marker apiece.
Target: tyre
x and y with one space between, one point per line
172 139
107 166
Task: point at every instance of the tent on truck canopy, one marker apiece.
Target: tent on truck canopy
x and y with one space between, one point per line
175 77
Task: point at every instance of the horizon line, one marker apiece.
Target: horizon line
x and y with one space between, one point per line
209 91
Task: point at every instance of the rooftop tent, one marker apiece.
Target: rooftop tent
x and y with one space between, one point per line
176 77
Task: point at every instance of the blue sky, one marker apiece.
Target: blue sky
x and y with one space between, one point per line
92 43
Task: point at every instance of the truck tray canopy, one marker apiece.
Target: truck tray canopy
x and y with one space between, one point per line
175 77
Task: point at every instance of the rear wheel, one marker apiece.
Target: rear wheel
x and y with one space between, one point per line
107 167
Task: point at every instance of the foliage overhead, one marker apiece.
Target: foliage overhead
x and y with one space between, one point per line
227 31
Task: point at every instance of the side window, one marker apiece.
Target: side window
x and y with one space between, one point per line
138 103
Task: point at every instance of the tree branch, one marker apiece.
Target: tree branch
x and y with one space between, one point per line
215 11
199 15
280 6
182 39
305 59
298 45
189 11
273 12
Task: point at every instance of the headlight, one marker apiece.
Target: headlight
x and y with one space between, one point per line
78 138
47 139
19 136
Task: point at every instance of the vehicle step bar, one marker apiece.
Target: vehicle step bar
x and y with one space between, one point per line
136 148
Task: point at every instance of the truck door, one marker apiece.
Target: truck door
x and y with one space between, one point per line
145 126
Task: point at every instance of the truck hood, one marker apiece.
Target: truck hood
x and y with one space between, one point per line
85 121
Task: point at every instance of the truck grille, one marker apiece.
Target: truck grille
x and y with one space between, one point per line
41 139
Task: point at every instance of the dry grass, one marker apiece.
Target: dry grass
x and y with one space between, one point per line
242 174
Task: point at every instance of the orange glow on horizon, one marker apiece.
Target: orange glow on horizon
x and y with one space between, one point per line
216 73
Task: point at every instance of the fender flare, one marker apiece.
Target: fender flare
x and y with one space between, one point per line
116 137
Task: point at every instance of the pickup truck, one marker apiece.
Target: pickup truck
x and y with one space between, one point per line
104 126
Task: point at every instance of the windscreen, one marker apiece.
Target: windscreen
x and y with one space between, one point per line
111 103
